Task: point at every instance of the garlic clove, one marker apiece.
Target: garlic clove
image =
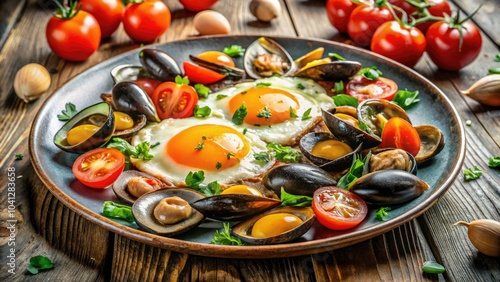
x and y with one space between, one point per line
265 10
31 81
486 90
484 234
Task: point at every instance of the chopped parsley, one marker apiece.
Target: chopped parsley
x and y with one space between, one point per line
220 96
200 146
381 213
218 165
433 267
339 87
202 112
405 98
19 157
494 71
335 57
245 131
371 73
181 80
345 100
264 113
263 84
300 86
356 170
294 200
68 112
284 153
234 51
307 114
240 115
494 162
202 90
212 188
497 57
38 263
472 173
293 114
262 157
229 155
224 237
114 210
194 179
141 151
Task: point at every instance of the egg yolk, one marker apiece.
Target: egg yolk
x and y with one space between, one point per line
80 133
242 189
217 57
331 149
275 224
208 147
265 105
123 121
348 119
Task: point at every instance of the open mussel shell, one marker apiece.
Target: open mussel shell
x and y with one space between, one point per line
374 113
392 158
129 97
139 122
307 143
159 64
234 207
243 230
347 132
312 56
144 206
330 71
230 72
282 61
388 187
128 73
297 179
120 186
431 142
99 138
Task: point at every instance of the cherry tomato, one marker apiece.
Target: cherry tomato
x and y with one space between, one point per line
108 14
197 5
73 35
446 49
363 88
363 22
338 209
99 167
148 85
404 45
144 22
201 75
407 8
438 8
398 133
174 100
338 12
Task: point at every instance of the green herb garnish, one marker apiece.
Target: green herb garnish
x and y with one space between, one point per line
356 170
264 113
494 162
220 96
381 213
229 155
335 57
141 151
224 237
202 90
240 115
472 173
433 267
199 146
284 153
194 179
19 157
262 157
38 263
339 87
263 84
113 210
307 114
202 112
497 57
494 71
371 73
218 165
212 188
245 131
234 51
405 98
181 80
345 100
68 112
294 200
293 114
300 86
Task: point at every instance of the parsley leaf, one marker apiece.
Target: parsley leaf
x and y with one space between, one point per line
218 165
339 87
181 80
141 151
307 114
300 86
199 146
202 90
194 179
38 263
201 112
113 210
19 157
225 238
494 71
371 73
213 188
294 200
240 115
345 100
262 157
264 113
336 57
355 171
472 173
68 112
234 51
293 114
284 153
494 162
405 98
381 213
497 57
433 267
220 96
263 84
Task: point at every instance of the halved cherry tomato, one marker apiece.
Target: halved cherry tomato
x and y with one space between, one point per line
148 85
201 75
398 133
363 88
99 167
338 209
174 100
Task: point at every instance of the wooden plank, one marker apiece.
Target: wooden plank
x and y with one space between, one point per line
10 10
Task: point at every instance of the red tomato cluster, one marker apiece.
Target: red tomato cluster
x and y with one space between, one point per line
375 27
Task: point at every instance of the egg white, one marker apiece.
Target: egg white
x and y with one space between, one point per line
168 170
310 96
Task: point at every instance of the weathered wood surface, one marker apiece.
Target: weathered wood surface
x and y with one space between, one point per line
86 252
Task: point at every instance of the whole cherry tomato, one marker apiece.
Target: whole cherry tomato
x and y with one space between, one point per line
197 5
438 8
402 44
175 99
108 14
338 209
363 22
73 34
146 20
99 167
148 85
449 49
338 12
363 88
398 133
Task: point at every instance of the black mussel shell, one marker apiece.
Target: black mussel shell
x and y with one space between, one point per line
129 97
297 179
97 139
139 122
159 64
230 72
332 71
234 207
129 72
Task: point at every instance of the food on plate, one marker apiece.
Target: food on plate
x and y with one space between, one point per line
129 97
172 210
131 184
211 22
242 189
99 168
159 64
31 81
210 67
175 99
398 133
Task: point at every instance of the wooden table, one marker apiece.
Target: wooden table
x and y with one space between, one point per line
86 252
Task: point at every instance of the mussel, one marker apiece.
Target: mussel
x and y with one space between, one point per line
137 121
388 187
329 70
234 207
129 97
122 187
276 226
129 73
431 142
230 72
100 136
297 179
159 64
144 207
374 113
265 58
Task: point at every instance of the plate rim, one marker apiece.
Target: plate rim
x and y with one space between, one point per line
254 252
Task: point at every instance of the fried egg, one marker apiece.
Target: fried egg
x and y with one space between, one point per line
212 145
278 109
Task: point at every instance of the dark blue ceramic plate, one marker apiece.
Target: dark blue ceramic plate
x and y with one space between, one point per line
53 166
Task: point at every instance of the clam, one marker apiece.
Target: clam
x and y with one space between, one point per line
431 142
297 179
230 72
329 70
347 131
326 151
279 225
265 58
144 207
97 139
129 97
233 207
388 187
389 158
128 73
159 64
122 189
374 113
